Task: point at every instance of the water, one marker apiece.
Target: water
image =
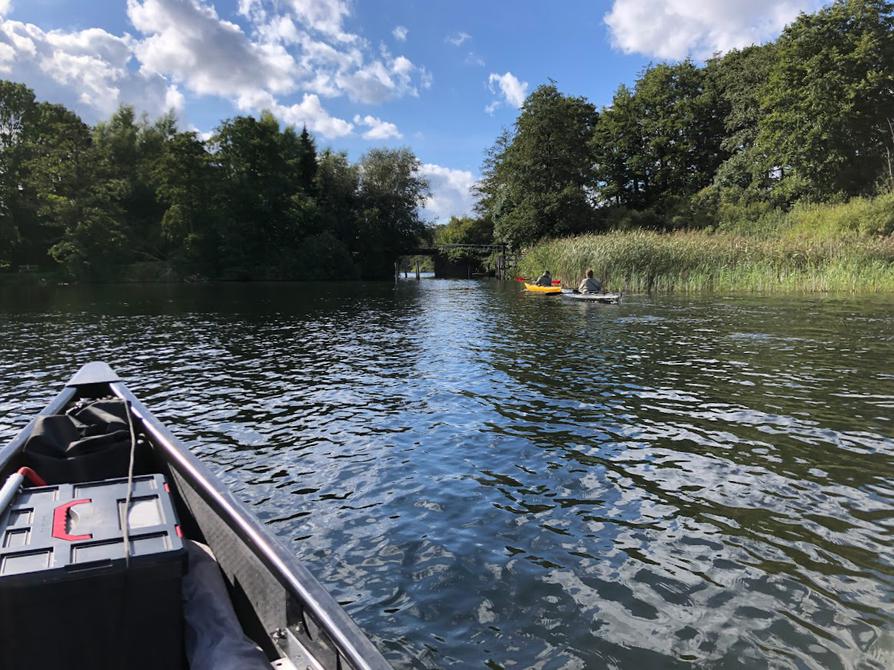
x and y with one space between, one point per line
489 479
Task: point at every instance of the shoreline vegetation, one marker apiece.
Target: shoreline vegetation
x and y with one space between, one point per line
767 168
812 248
697 261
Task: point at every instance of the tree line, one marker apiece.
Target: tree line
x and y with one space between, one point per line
255 201
807 118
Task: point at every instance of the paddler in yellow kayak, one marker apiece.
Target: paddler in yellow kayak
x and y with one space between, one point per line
546 279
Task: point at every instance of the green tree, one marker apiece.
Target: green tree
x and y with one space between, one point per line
465 230
493 195
127 150
391 193
17 222
300 155
681 122
619 156
538 180
738 78
81 209
255 193
828 102
337 185
184 181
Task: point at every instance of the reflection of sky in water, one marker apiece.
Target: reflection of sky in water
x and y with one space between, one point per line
484 476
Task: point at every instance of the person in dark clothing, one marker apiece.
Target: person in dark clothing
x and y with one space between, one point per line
546 279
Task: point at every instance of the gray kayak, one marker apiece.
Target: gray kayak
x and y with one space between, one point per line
606 298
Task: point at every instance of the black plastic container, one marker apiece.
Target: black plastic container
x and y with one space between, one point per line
68 598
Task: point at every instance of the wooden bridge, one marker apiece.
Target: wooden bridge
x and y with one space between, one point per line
446 267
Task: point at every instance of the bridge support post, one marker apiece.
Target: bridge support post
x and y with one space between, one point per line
417 270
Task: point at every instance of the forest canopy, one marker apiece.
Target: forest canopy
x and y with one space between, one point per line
254 201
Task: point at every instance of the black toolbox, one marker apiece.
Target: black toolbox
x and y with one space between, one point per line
68 597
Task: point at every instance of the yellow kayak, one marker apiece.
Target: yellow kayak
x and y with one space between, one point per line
551 290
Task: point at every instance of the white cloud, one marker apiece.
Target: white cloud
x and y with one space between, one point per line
189 42
324 16
204 135
474 59
174 98
309 112
285 56
326 65
451 192
378 129
400 33
456 39
5 6
7 55
370 84
425 78
332 62
508 85
379 80
675 29
87 70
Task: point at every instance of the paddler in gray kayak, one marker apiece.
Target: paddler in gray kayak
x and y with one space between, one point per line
590 285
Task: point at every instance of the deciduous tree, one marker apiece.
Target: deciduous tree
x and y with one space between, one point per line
828 101
540 178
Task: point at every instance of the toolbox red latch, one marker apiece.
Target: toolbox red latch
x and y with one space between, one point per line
60 521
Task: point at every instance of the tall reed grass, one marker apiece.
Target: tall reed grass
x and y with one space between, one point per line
720 261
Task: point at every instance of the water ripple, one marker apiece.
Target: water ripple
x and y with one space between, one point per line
489 479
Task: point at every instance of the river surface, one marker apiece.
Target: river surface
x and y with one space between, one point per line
488 479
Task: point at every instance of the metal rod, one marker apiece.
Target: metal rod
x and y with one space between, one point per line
9 491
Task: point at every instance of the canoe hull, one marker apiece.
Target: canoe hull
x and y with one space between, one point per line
605 298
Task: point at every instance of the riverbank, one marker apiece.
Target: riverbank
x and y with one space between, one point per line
692 261
157 272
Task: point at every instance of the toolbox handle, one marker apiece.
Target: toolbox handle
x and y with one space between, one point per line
60 521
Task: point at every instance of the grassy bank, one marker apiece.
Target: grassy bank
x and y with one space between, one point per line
845 247
719 261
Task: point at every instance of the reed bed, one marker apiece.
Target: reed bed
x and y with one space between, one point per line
641 261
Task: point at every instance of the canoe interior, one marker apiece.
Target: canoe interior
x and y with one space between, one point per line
279 603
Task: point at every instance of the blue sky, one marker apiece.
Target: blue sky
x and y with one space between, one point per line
440 76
